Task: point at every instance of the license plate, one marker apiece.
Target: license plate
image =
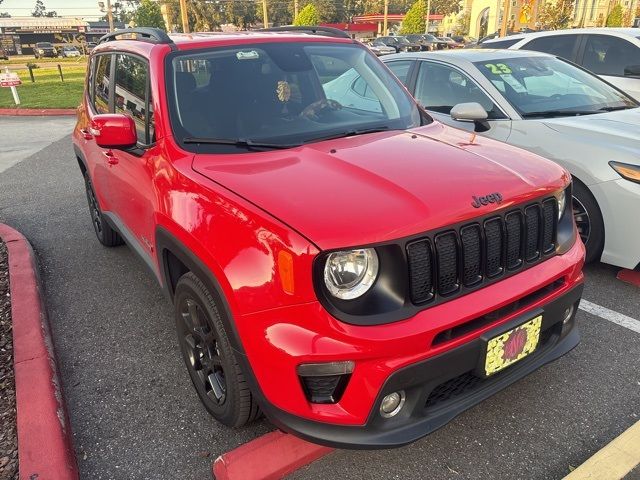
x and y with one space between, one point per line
511 346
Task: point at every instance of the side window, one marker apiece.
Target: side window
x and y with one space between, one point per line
440 87
131 87
607 55
102 84
560 45
401 69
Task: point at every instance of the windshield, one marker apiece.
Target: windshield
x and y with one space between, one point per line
402 40
547 86
283 94
43 45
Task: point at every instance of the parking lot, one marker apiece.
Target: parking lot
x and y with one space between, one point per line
135 414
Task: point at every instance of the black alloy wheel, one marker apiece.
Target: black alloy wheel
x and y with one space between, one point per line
208 355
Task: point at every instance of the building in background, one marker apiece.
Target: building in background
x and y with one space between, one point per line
18 35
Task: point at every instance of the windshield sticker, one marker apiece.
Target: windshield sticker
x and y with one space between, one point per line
513 83
283 91
498 68
250 55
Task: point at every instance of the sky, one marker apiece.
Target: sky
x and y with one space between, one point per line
75 8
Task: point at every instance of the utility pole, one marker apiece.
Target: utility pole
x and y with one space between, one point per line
426 26
184 15
265 14
295 9
386 14
110 15
505 18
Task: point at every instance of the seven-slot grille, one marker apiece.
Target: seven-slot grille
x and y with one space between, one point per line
482 251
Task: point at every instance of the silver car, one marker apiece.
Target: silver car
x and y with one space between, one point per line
548 106
612 53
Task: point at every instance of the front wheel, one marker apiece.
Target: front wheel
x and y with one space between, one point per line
589 221
209 357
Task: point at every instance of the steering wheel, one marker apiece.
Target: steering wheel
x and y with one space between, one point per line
314 110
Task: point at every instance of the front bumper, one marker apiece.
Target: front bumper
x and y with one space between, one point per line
411 354
618 200
440 388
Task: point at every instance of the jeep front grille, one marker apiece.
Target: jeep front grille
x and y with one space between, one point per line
461 259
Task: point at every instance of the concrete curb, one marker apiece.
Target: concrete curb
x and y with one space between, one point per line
45 447
37 112
269 457
614 461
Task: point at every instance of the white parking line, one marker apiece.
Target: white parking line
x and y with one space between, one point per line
615 317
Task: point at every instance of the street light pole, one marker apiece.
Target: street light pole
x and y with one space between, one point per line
505 18
386 14
184 15
295 9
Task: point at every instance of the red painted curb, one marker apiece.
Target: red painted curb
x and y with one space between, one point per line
629 276
269 457
37 112
45 448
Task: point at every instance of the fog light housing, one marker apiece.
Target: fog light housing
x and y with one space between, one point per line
325 382
392 404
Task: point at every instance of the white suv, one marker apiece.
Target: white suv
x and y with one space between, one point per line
612 53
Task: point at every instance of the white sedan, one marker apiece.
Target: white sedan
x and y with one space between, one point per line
550 107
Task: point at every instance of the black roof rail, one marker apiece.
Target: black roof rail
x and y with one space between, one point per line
325 31
148 34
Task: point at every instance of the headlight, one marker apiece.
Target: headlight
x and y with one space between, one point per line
562 203
350 274
626 171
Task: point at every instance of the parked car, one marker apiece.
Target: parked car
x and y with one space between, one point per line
44 49
612 53
450 42
401 44
550 107
89 46
69 51
426 42
3 54
340 269
380 49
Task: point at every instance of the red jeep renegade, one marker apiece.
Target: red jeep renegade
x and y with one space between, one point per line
340 261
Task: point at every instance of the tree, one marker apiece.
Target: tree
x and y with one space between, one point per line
556 15
463 24
307 16
148 14
445 7
41 11
414 21
615 17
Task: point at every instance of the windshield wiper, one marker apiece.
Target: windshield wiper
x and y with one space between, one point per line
348 133
619 107
239 142
558 113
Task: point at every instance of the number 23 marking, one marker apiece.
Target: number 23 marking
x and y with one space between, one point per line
498 68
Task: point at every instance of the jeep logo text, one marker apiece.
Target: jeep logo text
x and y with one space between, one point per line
486 200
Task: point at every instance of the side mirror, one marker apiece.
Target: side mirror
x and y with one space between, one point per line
632 71
113 130
471 112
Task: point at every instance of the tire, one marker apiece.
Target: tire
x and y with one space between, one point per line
209 357
588 218
107 236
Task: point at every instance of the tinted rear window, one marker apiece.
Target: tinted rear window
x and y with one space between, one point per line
500 43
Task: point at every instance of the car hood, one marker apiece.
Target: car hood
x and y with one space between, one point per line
377 187
618 129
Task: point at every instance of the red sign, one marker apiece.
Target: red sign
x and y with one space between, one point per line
9 80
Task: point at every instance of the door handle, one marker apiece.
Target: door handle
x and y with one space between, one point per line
86 134
111 157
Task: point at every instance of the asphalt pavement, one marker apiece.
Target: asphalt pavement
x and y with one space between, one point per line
134 413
